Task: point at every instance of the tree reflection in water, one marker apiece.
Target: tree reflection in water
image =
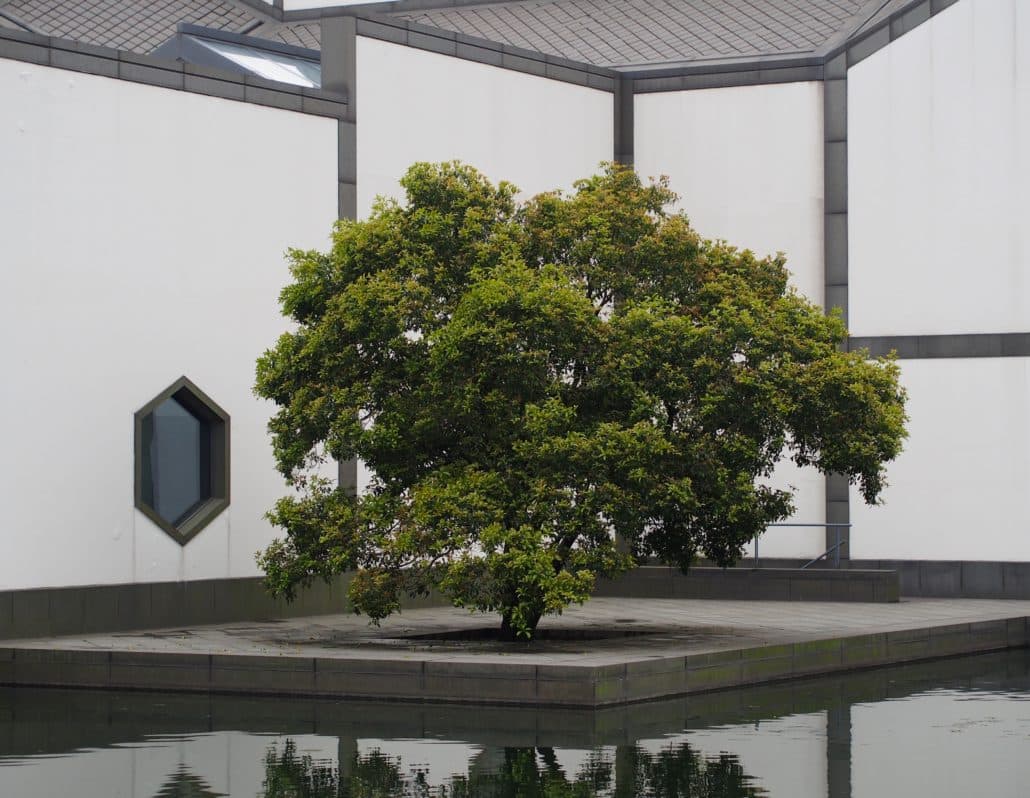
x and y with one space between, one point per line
674 772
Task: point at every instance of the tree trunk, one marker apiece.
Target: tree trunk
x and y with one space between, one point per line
510 633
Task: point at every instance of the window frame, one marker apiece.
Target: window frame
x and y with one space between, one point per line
214 422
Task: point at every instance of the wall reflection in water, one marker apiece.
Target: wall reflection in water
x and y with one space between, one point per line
956 727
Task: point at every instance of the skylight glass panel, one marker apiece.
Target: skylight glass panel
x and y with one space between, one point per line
269 65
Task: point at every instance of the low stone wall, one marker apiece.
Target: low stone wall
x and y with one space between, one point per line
994 579
47 612
765 584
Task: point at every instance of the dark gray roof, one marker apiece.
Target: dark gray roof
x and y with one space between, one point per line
623 32
299 34
600 32
139 25
888 8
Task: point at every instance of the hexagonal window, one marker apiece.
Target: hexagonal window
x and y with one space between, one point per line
182 460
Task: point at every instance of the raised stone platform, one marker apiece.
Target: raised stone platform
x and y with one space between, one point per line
667 648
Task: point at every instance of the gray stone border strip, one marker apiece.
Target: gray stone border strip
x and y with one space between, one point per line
623 123
55 611
916 347
437 681
37 612
837 498
482 51
725 74
48 711
744 583
985 579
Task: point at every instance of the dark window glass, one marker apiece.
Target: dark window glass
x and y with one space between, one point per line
176 471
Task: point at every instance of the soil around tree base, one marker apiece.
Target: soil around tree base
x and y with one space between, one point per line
487 634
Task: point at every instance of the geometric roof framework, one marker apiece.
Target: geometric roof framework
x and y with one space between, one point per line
181 442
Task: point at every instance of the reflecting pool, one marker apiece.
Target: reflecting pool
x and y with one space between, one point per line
958 727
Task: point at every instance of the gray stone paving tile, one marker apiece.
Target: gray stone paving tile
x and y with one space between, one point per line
692 645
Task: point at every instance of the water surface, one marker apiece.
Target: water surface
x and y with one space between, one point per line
957 727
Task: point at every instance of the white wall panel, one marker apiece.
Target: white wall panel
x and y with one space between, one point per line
747 163
414 105
938 165
959 489
143 234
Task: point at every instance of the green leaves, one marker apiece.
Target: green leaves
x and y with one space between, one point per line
528 381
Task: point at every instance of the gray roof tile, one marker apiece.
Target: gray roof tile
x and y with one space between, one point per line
601 32
299 34
889 7
139 25
614 32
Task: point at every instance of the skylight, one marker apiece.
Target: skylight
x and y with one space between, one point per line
267 64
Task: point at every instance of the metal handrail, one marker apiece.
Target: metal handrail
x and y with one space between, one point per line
834 549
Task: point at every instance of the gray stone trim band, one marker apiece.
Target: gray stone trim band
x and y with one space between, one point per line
339 74
106 62
53 611
483 51
915 347
876 37
754 584
994 579
727 79
593 683
724 74
129 717
623 107
43 612
837 499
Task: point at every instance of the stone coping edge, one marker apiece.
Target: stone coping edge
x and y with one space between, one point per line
516 684
756 584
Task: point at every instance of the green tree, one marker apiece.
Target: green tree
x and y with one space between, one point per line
528 380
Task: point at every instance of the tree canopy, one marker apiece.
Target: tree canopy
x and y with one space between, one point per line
528 380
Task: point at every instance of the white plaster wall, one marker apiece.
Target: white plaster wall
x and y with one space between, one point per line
959 489
413 105
143 232
747 163
938 165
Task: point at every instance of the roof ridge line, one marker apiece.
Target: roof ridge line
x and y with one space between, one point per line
259 8
853 24
21 23
376 7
